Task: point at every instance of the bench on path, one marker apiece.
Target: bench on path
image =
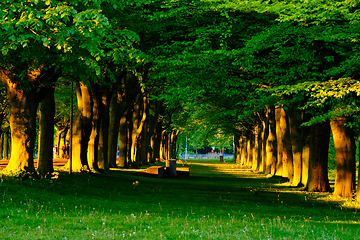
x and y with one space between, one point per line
156 170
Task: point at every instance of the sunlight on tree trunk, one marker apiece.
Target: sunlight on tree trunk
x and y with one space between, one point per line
271 151
244 153
237 153
23 106
81 129
344 143
296 146
249 149
97 109
305 153
264 135
139 118
123 141
256 148
280 139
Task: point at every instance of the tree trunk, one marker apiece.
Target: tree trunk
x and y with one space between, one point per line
118 107
157 141
237 153
173 139
6 145
93 144
139 118
129 127
295 167
81 129
280 139
123 141
1 145
358 184
103 144
23 106
244 152
344 143
318 180
46 133
264 135
271 152
256 148
249 147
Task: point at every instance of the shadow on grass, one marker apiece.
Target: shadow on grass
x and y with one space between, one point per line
212 189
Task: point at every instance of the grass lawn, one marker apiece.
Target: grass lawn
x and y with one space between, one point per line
217 201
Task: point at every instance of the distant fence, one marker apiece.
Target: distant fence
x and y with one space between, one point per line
206 156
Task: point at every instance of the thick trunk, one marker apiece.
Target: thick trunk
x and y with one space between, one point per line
1 145
256 149
103 144
264 135
358 180
305 154
318 180
6 145
144 143
97 109
280 139
139 118
173 139
237 152
249 147
162 152
129 125
244 152
118 111
23 106
157 141
271 152
295 167
46 133
123 141
81 129
344 143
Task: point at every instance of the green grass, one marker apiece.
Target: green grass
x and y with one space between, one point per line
217 201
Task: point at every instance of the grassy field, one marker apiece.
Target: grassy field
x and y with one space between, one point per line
217 201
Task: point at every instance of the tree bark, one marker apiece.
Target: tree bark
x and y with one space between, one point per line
123 141
81 129
264 135
244 152
6 145
23 106
296 166
256 148
139 118
46 133
93 144
271 152
249 147
344 143
280 139
103 144
2 145
318 180
237 153
118 106
157 141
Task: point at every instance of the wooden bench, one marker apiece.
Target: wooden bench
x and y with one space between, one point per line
156 170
